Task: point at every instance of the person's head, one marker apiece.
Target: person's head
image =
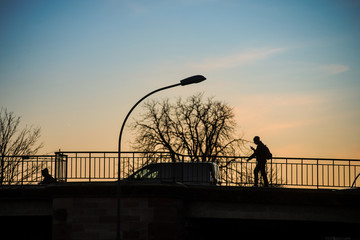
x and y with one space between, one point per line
45 172
256 140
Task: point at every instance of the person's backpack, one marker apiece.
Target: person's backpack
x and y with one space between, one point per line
267 153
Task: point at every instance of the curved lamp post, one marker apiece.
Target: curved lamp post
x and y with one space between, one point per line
186 81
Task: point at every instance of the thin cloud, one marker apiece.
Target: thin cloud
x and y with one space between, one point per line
236 60
333 69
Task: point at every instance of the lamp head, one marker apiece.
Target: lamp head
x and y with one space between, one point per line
191 80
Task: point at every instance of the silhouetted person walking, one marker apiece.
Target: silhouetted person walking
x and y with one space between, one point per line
261 153
48 179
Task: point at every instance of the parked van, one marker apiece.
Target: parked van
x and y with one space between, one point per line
188 173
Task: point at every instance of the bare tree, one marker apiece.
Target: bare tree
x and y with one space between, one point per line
204 130
15 145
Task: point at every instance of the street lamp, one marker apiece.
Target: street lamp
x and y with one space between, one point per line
184 82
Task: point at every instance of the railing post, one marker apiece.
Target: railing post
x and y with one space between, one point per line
241 171
317 173
133 166
56 161
286 171
76 163
271 173
333 172
37 164
302 176
22 170
182 169
66 167
349 175
89 166
226 177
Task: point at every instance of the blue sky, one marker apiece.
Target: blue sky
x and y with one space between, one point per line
290 69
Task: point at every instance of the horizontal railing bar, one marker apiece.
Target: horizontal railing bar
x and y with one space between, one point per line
235 157
322 159
62 152
28 156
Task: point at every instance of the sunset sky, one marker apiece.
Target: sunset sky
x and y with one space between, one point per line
290 69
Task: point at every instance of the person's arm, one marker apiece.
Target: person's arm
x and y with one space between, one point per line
252 155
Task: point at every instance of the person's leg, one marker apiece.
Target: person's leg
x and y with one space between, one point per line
256 175
263 173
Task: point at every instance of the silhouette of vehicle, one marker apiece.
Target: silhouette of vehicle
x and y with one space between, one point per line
188 173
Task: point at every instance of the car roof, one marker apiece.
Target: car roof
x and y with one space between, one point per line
178 163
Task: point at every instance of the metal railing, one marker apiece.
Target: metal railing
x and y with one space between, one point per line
19 170
95 166
298 172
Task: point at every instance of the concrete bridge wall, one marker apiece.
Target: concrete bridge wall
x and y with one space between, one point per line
88 211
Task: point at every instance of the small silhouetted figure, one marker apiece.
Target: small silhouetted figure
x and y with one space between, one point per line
48 179
261 153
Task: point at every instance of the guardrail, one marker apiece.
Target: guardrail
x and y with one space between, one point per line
19 170
91 166
299 172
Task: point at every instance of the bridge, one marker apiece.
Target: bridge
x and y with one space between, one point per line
308 199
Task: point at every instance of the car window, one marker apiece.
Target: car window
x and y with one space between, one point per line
147 173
